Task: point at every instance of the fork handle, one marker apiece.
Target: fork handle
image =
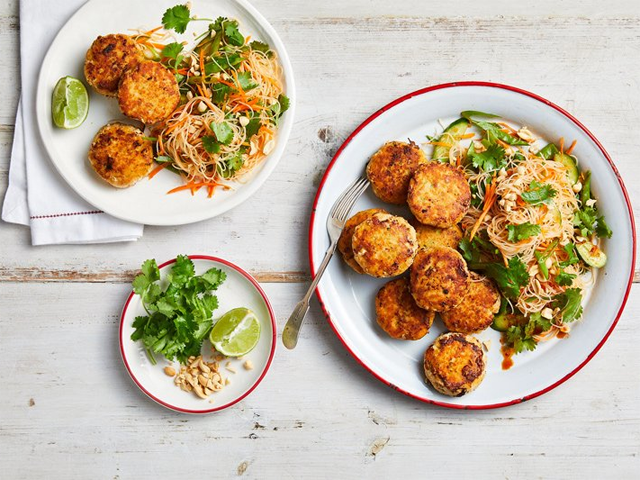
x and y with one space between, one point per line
292 328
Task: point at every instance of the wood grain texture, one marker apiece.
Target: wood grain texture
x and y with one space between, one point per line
69 409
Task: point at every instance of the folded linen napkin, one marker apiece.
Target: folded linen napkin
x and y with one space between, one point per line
37 195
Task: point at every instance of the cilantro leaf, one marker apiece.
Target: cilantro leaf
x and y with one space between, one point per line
219 92
522 231
602 229
521 337
233 36
246 82
585 220
232 165
223 132
260 47
210 144
176 18
510 279
538 193
252 127
489 160
215 277
570 304
172 52
565 279
278 108
572 258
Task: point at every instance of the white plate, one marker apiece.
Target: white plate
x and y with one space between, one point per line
348 298
239 290
147 201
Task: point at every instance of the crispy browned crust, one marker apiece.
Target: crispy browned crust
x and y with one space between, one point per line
384 245
120 154
397 312
439 278
429 236
439 195
107 59
390 170
455 364
344 242
148 92
475 312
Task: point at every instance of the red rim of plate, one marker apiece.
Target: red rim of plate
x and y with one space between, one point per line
272 317
522 92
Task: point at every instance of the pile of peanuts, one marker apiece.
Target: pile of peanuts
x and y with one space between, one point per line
198 376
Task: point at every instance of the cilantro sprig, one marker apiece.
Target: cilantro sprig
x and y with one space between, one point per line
177 18
510 279
538 193
522 231
179 315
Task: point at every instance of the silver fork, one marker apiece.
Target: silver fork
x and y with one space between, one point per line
335 224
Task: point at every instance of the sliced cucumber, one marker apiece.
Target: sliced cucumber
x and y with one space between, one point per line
450 135
572 167
591 254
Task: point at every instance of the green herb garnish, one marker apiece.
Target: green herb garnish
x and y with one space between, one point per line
178 316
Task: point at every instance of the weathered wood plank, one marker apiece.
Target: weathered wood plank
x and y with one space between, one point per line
341 82
70 410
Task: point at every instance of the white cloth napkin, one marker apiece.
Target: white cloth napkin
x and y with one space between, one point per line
37 196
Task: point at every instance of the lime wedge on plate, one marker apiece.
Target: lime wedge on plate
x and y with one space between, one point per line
69 103
236 333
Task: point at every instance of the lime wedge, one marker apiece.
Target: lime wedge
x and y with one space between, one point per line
236 333
69 103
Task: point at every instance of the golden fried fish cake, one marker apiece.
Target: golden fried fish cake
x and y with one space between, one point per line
107 59
397 312
390 170
384 245
439 278
439 195
344 242
148 92
455 364
429 236
475 312
121 155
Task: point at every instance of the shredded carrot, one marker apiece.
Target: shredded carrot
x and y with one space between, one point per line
573 145
202 63
504 144
467 136
561 145
247 39
210 189
193 186
508 128
157 170
150 32
489 199
440 144
201 91
228 84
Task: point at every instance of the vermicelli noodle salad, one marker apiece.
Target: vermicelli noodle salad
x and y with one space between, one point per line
533 226
231 99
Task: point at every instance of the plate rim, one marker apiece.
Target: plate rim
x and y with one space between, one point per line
272 318
252 187
520 91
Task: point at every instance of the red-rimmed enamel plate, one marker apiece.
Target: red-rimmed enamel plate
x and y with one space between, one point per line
239 290
348 298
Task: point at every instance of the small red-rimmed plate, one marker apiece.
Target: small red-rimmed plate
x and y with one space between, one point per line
348 298
239 290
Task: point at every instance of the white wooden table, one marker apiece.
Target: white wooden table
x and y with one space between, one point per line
68 408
